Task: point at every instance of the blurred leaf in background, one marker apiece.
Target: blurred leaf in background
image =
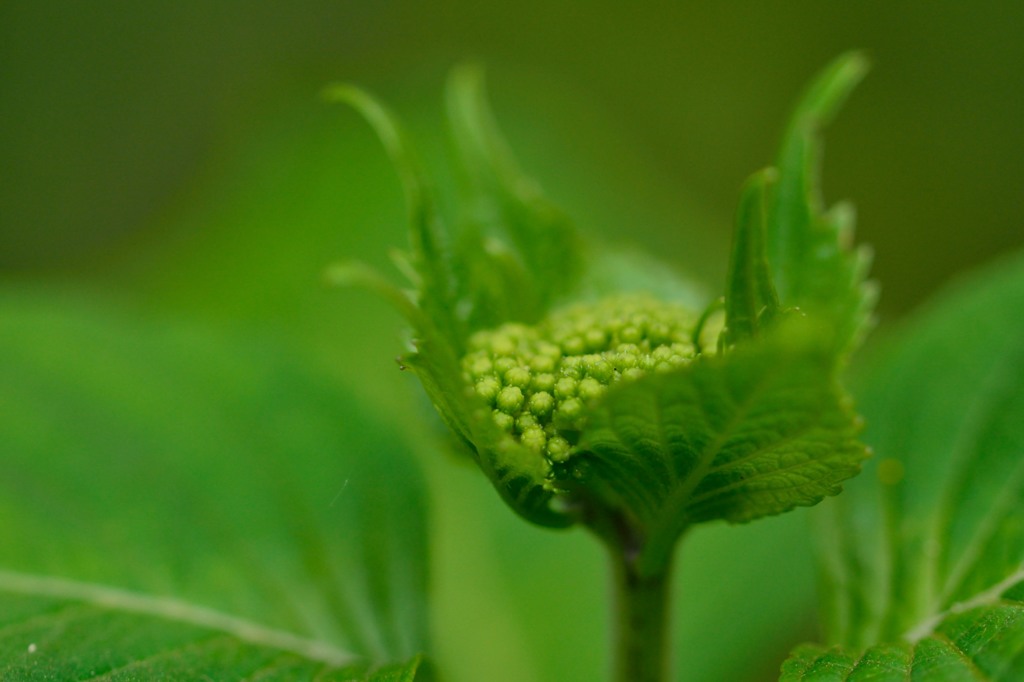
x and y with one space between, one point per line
181 503
174 159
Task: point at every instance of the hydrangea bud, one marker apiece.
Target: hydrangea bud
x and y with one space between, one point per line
559 366
637 414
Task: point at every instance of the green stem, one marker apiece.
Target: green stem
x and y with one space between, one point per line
640 621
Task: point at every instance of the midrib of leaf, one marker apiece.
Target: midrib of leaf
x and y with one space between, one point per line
672 515
934 586
988 597
175 610
990 394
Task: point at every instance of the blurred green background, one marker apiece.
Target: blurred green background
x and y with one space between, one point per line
175 158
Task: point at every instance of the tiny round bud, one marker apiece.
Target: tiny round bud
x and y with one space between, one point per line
518 376
480 366
501 344
510 399
589 389
572 367
526 421
542 363
504 421
630 334
565 388
543 382
573 345
549 349
600 369
684 349
659 334
541 403
661 353
534 438
570 410
595 339
504 364
488 388
625 360
558 449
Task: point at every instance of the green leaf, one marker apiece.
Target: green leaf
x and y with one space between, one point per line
520 253
751 297
512 257
756 432
814 266
180 503
431 256
925 552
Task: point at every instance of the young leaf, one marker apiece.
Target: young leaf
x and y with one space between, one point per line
757 432
923 558
814 266
507 224
751 299
179 504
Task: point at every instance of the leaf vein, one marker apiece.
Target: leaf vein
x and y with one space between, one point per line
174 610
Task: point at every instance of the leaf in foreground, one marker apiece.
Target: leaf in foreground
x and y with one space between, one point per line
923 558
178 504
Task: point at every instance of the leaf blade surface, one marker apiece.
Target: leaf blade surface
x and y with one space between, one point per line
201 473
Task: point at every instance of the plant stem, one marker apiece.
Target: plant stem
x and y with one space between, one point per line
640 621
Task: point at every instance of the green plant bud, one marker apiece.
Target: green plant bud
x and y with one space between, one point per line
488 388
542 363
565 388
595 339
630 334
504 364
558 449
574 345
570 410
659 333
543 382
599 368
480 366
510 399
519 377
756 430
534 438
624 360
661 354
589 389
505 422
525 421
548 349
541 403
572 367
541 379
502 344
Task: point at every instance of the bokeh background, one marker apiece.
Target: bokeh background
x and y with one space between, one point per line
174 158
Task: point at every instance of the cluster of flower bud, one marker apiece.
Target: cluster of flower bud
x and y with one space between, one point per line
538 380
